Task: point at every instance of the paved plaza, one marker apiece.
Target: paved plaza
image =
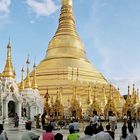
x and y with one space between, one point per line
16 133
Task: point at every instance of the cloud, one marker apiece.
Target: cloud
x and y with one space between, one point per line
4 12
44 8
5 7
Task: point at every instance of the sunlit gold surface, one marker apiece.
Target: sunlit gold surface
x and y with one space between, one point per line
34 82
8 70
27 80
66 65
21 86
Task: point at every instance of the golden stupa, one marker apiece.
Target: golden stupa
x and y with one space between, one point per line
66 67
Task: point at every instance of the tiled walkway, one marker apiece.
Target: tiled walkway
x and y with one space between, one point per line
16 133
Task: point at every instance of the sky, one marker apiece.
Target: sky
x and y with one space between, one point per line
109 29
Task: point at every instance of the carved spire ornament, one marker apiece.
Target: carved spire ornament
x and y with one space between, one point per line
28 81
34 82
22 80
8 70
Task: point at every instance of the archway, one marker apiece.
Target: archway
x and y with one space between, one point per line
128 113
110 113
74 113
11 109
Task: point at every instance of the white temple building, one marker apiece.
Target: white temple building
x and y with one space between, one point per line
23 100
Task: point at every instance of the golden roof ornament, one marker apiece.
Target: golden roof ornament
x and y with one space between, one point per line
22 80
34 82
58 96
52 102
128 92
66 2
89 95
8 70
133 92
28 82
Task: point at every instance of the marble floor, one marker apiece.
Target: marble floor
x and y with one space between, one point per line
16 133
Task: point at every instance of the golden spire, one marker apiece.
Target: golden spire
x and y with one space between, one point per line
34 82
22 80
66 2
66 38
8 70
28 82
133 92
128 92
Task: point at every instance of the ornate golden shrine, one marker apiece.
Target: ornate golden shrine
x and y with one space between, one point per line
75 108
110 106
128 106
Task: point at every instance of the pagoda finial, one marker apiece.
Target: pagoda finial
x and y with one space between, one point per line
137 92
22 80
28 82
133 92
8 70
34 82
66 2
66 25
128 91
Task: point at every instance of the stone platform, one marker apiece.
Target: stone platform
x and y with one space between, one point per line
16 133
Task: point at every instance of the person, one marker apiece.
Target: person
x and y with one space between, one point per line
4 133
48 135
88 133
124 135
113 122
125 118
16 120
135 121
129 121
94 119
131 135
102 135
28 134
58 136
37 121
76 124
110 132
53 124
72 135
71 125
43 119
1 136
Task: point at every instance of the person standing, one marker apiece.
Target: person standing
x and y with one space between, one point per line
28 134
110 132
43 117
124 135
72 135
16 120
48 135
88 133
113 122
131 135
58 136
102 135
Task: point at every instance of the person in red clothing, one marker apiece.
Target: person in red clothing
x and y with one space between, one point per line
48 135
